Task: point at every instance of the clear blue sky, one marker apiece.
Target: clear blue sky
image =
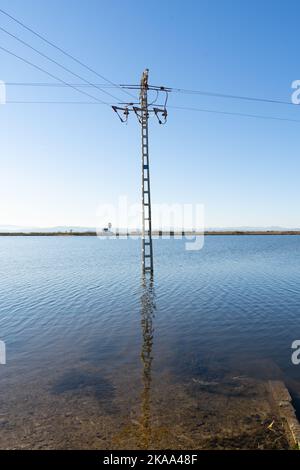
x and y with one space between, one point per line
59 162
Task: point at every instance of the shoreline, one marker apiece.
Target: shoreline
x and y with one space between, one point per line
154 233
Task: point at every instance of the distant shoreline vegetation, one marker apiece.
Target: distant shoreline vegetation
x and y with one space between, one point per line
154 233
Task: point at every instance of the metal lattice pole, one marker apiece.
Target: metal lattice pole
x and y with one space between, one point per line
142 112
147 249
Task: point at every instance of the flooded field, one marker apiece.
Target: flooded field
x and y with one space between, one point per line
100 358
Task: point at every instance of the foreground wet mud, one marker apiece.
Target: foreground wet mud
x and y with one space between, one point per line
82 410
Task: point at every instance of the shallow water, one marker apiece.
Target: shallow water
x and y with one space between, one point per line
90 344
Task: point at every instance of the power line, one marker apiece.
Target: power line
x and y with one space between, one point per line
179 90
182 108
57 63
67 54
235 97
258 116
54 85
51 75
123 88
54 102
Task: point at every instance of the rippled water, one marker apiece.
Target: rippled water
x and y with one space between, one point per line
86 339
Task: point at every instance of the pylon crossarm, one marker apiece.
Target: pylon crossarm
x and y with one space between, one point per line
161 112
125 113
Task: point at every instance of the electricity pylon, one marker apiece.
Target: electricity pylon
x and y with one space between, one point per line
147 248
143 112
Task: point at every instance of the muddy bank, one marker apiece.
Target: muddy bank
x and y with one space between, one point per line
84 409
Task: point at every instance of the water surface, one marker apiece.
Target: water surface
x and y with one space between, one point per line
91 345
